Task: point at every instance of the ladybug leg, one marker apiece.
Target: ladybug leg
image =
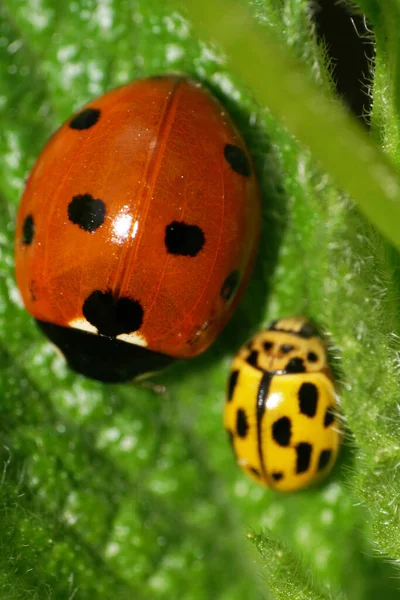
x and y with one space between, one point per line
157 388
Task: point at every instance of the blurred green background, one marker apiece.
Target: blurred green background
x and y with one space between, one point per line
119 491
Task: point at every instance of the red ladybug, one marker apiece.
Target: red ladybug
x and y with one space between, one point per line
138 228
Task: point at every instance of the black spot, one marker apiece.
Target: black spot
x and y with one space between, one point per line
286 348
267 346
85 119
28 230
254 471
277 476
307 331
252 359
308 399
272 326
329 416
112 316
232 384
183 239
87 212
303 451
237 159
295 365
324 459
242 425
312 357
103 358
230 285
282 431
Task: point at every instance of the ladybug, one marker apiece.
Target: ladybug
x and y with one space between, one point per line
281 408
138 228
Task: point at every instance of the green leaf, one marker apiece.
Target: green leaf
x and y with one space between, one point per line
119 491
280 565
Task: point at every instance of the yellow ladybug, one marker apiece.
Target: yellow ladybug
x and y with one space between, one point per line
280 412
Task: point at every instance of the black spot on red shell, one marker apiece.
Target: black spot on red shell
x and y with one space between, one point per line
232 384
277 475
87 212
282 431
237 159
183 239
324 459
303 451
85 119
329 416
28 230
312 357
112 316
252 359
230 284
242 425
295 365
308 399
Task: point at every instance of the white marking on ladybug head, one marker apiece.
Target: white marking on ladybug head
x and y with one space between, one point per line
83 325
133 338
